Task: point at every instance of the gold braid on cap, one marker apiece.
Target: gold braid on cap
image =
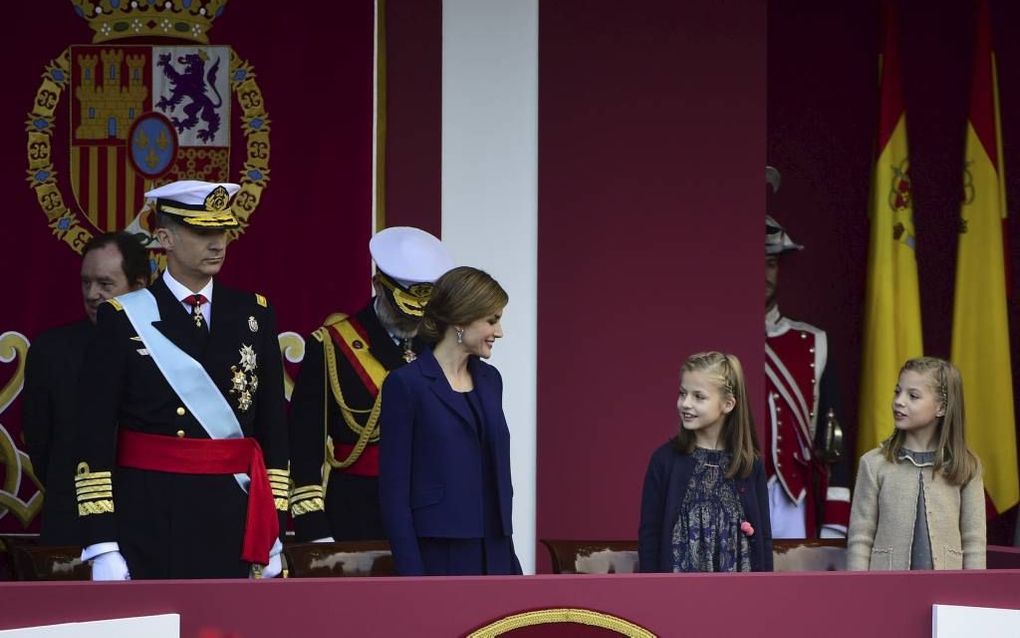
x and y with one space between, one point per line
411 300
213 212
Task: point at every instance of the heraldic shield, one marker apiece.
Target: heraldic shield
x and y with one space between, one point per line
139 116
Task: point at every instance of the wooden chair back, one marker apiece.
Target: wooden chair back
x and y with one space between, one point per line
346 559
31 561
608 557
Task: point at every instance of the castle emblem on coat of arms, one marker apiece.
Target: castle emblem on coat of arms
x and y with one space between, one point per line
141 115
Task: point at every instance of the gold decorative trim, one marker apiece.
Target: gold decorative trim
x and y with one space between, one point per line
279 483
309 490
369 433
185 19
315 504
95 507
96 495
91 490
81 484
94 491
84 472
562 615
262 301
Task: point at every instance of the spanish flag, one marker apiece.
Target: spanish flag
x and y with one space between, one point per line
980 322
892 310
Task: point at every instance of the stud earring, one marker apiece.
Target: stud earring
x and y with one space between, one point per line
460 335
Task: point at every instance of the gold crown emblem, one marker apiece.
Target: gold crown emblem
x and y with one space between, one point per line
179 19
217 200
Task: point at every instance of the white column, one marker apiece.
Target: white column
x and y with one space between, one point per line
490 199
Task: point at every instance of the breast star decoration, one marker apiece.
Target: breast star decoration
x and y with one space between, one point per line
244 381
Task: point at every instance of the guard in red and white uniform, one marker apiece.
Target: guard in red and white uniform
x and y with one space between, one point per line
809 495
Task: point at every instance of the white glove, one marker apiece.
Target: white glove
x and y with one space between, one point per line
275 566
110 566
324 539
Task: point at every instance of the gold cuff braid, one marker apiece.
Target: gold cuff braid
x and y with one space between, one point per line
95 507
94 491
314 504
307 498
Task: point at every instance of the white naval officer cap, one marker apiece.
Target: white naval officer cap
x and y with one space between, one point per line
409 255
196 203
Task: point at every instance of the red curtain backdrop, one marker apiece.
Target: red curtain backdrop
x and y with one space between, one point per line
306 249
822 114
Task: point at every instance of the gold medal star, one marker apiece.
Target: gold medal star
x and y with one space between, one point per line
239 382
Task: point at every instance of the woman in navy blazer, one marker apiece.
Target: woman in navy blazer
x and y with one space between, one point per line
444 457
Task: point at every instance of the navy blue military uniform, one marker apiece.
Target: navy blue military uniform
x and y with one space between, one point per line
349 508
173 525
47 423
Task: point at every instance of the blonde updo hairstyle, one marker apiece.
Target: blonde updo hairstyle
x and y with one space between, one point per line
461 296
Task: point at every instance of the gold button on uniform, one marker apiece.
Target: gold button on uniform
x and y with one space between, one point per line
180 434
181 411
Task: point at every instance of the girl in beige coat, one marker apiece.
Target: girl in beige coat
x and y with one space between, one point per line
919 501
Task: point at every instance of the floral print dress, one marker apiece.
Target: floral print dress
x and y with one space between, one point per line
707 535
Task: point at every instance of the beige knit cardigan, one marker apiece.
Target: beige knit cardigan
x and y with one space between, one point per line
885 506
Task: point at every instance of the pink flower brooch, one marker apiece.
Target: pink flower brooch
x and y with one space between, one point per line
747 529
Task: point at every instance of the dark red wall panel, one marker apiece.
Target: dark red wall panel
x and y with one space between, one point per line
651 159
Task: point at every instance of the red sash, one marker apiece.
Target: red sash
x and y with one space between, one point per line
366 465
212 456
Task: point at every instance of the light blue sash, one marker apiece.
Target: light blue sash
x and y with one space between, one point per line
186 376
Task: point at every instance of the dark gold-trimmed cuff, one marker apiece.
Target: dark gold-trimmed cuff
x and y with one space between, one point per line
305 499
94 491
279 482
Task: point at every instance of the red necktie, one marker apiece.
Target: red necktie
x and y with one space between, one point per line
196 301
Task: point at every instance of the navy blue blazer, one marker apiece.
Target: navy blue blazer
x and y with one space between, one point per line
669 473
430 457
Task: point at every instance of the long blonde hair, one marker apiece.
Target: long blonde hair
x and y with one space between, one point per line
957 463
738 434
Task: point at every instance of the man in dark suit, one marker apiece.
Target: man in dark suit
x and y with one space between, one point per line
181 412
334 423
112 264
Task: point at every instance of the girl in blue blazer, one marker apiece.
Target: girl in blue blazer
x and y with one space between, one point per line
444 455
705 502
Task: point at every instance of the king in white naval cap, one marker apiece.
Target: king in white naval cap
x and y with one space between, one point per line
336 400
183 447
